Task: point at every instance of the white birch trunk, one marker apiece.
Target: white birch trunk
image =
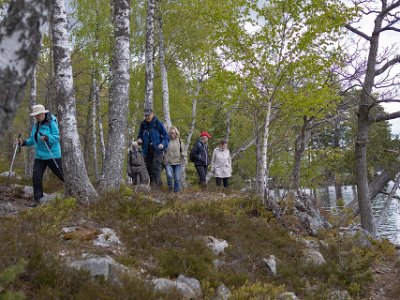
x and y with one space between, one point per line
191 131
95 95
101 130
259 166
164 76
149 53
265 169
194 112
119 99
20 42
77 183
30 152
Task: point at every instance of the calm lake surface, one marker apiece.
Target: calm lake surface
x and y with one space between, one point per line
390 225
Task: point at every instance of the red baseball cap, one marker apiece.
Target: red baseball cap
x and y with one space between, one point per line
205 133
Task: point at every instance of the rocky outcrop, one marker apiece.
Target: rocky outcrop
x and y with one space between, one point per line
222 293
270 264
216 245
100 266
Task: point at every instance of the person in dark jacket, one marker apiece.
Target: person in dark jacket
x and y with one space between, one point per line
45 137
154 139
135 164
199 155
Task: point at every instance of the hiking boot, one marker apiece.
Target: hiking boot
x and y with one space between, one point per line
34 203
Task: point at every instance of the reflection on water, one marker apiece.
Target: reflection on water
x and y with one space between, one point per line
390 225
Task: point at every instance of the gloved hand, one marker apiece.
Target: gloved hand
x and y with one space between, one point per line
44 138
160 146
139 141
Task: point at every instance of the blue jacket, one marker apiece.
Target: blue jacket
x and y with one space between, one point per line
48 127
152 134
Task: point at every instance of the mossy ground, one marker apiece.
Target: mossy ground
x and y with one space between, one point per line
165 240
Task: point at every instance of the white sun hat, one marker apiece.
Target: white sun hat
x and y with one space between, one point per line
38 109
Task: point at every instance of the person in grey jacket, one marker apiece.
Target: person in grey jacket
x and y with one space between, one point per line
136 164
221 164
175 157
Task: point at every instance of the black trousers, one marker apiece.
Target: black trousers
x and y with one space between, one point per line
135 176
219 180
202 172
39 167
153 164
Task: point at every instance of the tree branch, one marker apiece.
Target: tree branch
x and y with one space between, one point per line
358 32
388 65
385 11
385 117
389 28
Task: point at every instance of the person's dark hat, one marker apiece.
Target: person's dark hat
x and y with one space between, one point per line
205 133
148 111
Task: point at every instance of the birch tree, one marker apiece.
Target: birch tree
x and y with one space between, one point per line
149 55
30 153
272 56
119 99
20 43
77 183
376 75
164 74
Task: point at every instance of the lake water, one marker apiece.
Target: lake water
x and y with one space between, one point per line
390 225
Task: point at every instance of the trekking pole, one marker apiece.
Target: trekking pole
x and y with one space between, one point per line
51 155
12 162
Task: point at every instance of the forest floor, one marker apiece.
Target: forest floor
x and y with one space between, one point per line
157 230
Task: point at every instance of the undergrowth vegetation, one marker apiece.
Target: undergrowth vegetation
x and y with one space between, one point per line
166 240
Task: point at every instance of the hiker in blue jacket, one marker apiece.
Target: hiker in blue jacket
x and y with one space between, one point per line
45 137
154 140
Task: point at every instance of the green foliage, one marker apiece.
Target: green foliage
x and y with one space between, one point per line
258 290
190 257
7 277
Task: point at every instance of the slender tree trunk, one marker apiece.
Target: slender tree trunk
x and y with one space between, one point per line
30 152
20 42
164 76
119 99
299 148
194 113
259 168
95 95
265 169
77 183
191 130
101 131
367 218
149 55
86 137
229 120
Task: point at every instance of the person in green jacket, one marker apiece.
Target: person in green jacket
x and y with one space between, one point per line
45 138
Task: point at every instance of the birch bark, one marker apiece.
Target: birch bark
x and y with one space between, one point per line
119 99
77 183
20 42
164 76
149 55
30 152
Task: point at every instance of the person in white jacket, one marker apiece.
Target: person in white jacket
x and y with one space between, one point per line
221 164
